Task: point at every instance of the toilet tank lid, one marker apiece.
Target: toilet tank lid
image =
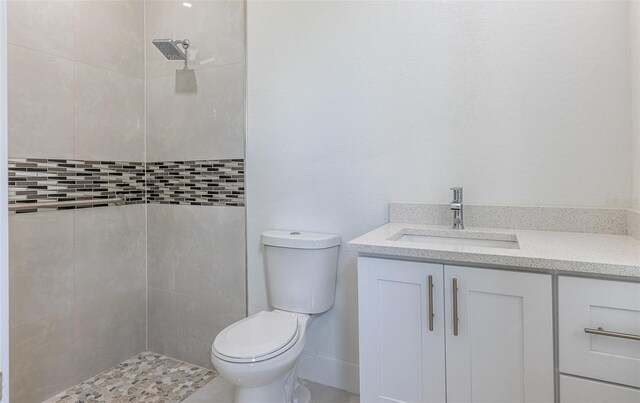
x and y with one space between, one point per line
300 239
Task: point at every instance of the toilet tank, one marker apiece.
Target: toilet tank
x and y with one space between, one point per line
301 270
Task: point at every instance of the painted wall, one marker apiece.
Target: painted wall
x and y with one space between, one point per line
196 256
77 278
354 104
635 97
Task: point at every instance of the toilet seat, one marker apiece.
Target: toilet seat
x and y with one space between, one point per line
257 338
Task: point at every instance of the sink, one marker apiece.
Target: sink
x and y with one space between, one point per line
454 238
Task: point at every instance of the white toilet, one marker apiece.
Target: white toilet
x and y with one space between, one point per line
259 354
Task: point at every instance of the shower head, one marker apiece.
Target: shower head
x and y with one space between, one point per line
170 48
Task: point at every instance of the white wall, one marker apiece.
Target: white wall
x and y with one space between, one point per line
635 94
354 104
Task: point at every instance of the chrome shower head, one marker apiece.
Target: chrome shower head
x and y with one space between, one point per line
170 48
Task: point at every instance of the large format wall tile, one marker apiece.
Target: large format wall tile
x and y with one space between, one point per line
40 90
196 250
162 319
199 320
213 257
40 266
196 255
206 122
215 29
46 26
109 253
108 333
109 34
159 23
160 122
41 359
109 115
164 246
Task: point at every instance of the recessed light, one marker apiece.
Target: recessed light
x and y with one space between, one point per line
187 4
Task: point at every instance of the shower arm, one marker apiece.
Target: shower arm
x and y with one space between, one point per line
185 44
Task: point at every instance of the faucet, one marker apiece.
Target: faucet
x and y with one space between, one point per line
456 207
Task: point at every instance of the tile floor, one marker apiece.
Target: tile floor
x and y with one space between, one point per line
147 377
220 391
151 377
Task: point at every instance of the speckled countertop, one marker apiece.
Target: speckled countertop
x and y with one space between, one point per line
617 255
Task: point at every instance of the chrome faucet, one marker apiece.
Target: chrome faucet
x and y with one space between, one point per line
456 207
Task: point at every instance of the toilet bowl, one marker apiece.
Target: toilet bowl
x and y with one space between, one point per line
259 355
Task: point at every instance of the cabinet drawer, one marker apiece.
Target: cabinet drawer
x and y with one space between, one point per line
613 306
577 390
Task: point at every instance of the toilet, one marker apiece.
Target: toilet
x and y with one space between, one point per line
260 354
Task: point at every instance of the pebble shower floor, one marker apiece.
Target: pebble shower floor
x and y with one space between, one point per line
147 377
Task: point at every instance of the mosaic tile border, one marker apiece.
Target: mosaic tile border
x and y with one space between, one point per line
201 182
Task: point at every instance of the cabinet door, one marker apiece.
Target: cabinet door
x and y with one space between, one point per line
503 349
613 306
401 358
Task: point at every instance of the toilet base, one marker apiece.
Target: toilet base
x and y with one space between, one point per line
301 394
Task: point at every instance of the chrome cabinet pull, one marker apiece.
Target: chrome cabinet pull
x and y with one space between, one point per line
601 332
454 297
430 296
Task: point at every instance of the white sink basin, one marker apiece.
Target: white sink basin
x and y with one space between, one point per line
454 238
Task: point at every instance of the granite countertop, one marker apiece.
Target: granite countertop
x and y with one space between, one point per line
605 254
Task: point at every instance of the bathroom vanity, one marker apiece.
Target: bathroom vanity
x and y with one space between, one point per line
487 314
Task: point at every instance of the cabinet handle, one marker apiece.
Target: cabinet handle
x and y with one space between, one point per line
430 295
601 332
454 297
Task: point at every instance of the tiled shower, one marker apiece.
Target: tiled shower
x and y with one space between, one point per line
96 113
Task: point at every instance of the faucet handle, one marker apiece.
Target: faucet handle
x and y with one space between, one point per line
457 194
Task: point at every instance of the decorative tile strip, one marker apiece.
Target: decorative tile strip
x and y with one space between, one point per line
34 180
202 182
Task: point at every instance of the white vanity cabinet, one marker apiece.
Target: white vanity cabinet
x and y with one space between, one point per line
402 351
500 348
599 338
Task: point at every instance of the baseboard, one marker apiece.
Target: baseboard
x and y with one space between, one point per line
329 371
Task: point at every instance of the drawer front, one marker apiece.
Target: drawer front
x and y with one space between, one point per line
578 390
613 306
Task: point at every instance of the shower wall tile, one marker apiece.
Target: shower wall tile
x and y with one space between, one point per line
199 320
160 122
166 249
45 180
215 266
205 120
159 24
40 266
215 29
46 26
211 122
109 115
109 254
190 253
106 334
41 358
110 35
205 182
196 270
40 91
162 321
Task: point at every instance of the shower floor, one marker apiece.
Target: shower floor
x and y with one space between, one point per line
147 377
